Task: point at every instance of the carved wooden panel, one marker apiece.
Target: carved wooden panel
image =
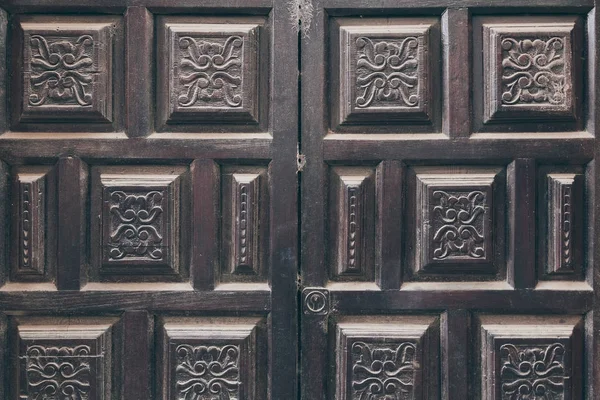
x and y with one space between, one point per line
532 70
352 223
64 358
245 223
212 358
211 72
64 69
561 222
33 224
458 220
531 357
385 70
387 358
139 225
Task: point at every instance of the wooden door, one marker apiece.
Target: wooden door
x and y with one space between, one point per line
148 200
448 200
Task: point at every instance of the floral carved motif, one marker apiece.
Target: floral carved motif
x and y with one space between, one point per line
383 371
211 72
208 372
136 225
533 71
61 70
58 373
387 72
458 223
533 373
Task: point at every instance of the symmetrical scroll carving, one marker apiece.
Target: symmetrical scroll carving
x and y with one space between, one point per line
383 371
533 70
352 222
387 72
455 224
533 372
61 70
208 372
564 225
136 225
210 72
58 373
458 224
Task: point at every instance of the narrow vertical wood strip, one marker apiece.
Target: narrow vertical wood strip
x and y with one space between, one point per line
205 214
4 218
139 66
457 72
72 203
390 203
4 357
455 354
137 361
521 243
3 71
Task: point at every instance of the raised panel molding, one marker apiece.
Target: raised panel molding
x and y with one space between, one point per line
33 204
212 358
66 69
456 223
64 358
530 68
531 357
387 357
385 70
211 73
565 228
245 203
139 210
352 223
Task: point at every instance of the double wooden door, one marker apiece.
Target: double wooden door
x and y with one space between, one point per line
305 199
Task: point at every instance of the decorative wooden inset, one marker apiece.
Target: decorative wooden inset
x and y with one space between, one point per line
454 220
211 72
529 68
67 69
64 359
140 211
565 195
352 222
387 358
384 70
212 358
531 357
245 223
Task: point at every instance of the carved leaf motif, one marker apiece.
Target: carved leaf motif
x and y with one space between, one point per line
458 221
383 371
58 373
533 71
136 225
387 72
211 72
533 373
208 372
61 70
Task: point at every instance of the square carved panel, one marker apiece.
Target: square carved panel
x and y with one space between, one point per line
212 358
531 357
64 358
458 221
33 251
532 68
211 73
352 223
387 357
384 70
245 223
139 214
63 69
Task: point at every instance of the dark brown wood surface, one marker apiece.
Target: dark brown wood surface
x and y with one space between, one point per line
303 199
